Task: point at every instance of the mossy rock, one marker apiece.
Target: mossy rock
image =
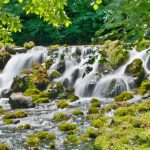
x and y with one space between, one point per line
92 133
54 48
145 87
96 104
93 100
77 112
60 117
73 139
67 127
98 123
52 145
73 98
93 110
124 111
1 111
42 135
63 104
32 78
24 127
29 45
4 147
135 69
4 58
115 52
54 74
8 121
124 96
48 63
42 100
33 141
70 90
142 45
18 114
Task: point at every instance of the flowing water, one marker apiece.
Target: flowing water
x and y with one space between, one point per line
85 77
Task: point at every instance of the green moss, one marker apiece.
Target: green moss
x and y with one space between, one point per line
70 90
136 69
77 112
4 57
48 63
31 92
93 110
124 111
96 104
42 135
53 48
52 145
1 111
124 96
73 98
67 127
8 121
73 139
4 147
92 133
115 53
32 78
93 100
24 127
60 117
63 104
29 45
42 100
33 141
98 123
145 87
54 74
141 45
18 114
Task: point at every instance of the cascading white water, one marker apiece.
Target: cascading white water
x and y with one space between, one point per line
76 72
19 62
94 83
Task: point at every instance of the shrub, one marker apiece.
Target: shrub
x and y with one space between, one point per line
42 100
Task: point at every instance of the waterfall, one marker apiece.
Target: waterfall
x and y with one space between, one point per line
79 70
18 63
94 83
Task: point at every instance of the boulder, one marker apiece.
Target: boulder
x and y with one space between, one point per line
136 70
18 101
6 93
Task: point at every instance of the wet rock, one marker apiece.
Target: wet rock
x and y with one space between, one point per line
6 93
20 50
18 101
10 49
4 58
146 96
75 75
113 87
16 121
66 82
61 66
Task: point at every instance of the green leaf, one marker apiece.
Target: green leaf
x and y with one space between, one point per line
95 6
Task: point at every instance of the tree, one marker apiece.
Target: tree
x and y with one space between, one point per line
52 11
128 20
